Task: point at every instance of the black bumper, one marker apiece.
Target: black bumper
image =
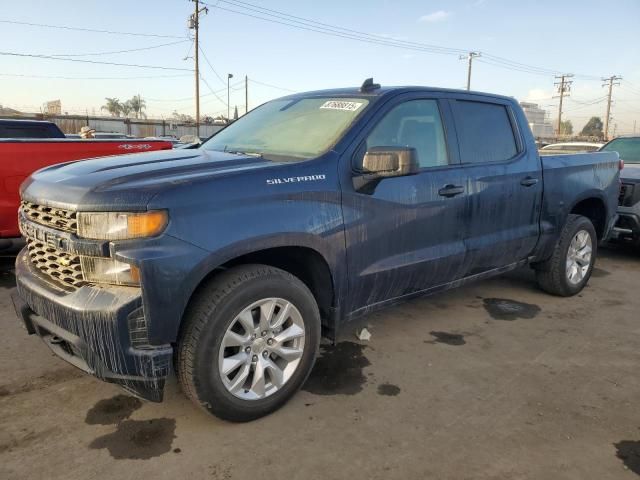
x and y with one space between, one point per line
99 329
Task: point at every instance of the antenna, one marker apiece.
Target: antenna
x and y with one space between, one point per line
368 85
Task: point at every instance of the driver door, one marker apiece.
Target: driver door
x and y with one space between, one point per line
404 234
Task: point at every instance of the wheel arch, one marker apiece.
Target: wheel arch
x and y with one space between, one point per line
594 208
303 261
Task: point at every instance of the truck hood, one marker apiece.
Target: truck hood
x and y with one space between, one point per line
631 171
130 181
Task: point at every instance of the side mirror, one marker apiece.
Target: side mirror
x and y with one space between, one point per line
383 162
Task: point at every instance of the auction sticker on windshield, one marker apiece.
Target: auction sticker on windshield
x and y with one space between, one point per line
341 105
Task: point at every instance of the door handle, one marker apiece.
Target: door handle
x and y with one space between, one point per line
528 181
451 190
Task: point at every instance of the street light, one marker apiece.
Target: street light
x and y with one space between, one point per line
229 77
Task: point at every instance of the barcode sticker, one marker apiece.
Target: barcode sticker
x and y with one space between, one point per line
340 105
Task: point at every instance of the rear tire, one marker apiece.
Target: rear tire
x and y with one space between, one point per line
569 268
217 333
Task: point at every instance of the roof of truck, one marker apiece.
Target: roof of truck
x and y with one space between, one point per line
391 90
20 121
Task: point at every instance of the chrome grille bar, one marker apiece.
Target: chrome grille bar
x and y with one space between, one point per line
60 266
58 218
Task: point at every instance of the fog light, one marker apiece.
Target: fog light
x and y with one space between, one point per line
108 270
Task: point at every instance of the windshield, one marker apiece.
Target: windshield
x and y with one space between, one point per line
627 148
290 129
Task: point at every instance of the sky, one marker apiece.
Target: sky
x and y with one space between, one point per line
587 38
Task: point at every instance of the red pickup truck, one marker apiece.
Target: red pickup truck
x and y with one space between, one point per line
19 158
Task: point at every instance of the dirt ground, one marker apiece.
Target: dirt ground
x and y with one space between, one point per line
493 381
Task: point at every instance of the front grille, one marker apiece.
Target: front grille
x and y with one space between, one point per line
629 194
50 216
60 266
624 191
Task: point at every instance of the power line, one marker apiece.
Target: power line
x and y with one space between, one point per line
386 42
49 57
213 92
628 89
55 77
80 29
271 86
586 105
184 99
592 101
117 51
523 67
279 17
332 28
211 66
516 68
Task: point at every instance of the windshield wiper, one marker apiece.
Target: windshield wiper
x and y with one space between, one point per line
238 152
250 154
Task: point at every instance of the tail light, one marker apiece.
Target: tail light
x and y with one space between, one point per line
620 164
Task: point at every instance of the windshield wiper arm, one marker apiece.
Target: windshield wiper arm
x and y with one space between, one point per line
250 154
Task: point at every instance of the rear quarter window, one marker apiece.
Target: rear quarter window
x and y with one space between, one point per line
485 132
25 132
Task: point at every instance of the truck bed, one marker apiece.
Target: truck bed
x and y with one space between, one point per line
591 174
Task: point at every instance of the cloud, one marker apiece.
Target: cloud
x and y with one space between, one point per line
408 56
438 16
538 95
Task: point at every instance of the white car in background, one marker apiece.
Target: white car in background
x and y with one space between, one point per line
570 147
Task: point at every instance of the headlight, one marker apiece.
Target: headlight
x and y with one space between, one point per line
108 270
121 226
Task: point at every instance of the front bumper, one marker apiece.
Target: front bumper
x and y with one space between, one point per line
99 329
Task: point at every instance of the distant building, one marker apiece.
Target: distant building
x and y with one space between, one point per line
53 107
538 122
8 111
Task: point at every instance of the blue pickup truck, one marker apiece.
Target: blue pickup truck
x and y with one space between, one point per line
226 263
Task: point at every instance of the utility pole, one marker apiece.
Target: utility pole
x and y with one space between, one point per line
194 24
470 56
610 82
564 87
229 77
246 94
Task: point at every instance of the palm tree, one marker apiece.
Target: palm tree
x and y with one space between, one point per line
112 106
138 105
125 108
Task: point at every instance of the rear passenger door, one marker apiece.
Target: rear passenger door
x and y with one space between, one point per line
503 183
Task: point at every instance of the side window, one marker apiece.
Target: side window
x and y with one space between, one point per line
485 133
21 132
416 124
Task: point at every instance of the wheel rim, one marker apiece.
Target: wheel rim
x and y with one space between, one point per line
261 349
579 257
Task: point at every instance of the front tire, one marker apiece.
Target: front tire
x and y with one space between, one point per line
248 342
569 268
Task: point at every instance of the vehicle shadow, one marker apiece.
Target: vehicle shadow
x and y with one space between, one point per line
7 278
620 251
